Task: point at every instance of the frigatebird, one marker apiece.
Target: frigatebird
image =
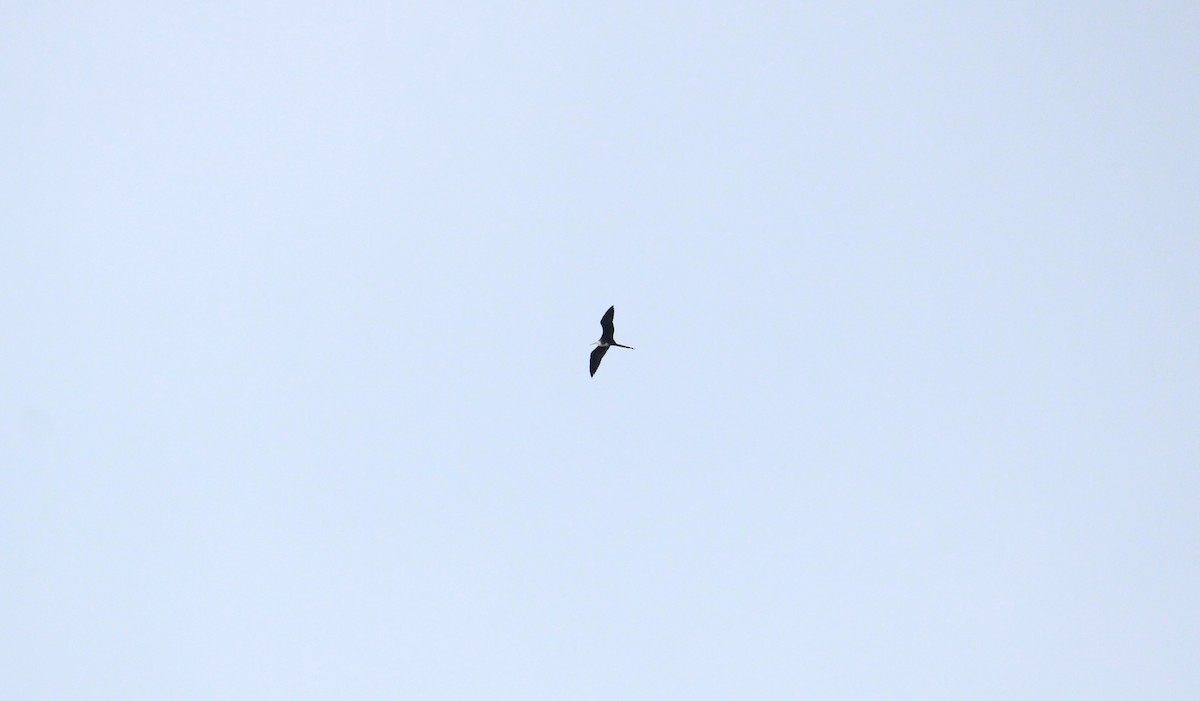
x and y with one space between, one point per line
606 339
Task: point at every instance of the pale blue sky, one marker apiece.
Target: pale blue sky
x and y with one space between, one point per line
296 301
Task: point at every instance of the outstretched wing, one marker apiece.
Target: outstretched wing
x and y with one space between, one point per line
597 355
607 326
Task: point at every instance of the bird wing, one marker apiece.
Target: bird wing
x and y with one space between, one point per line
597 355
606 325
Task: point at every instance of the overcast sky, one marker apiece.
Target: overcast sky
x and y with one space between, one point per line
295 305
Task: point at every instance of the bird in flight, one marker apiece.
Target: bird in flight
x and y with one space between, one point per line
606 339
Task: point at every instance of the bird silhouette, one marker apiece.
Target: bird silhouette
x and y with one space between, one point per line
606 339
